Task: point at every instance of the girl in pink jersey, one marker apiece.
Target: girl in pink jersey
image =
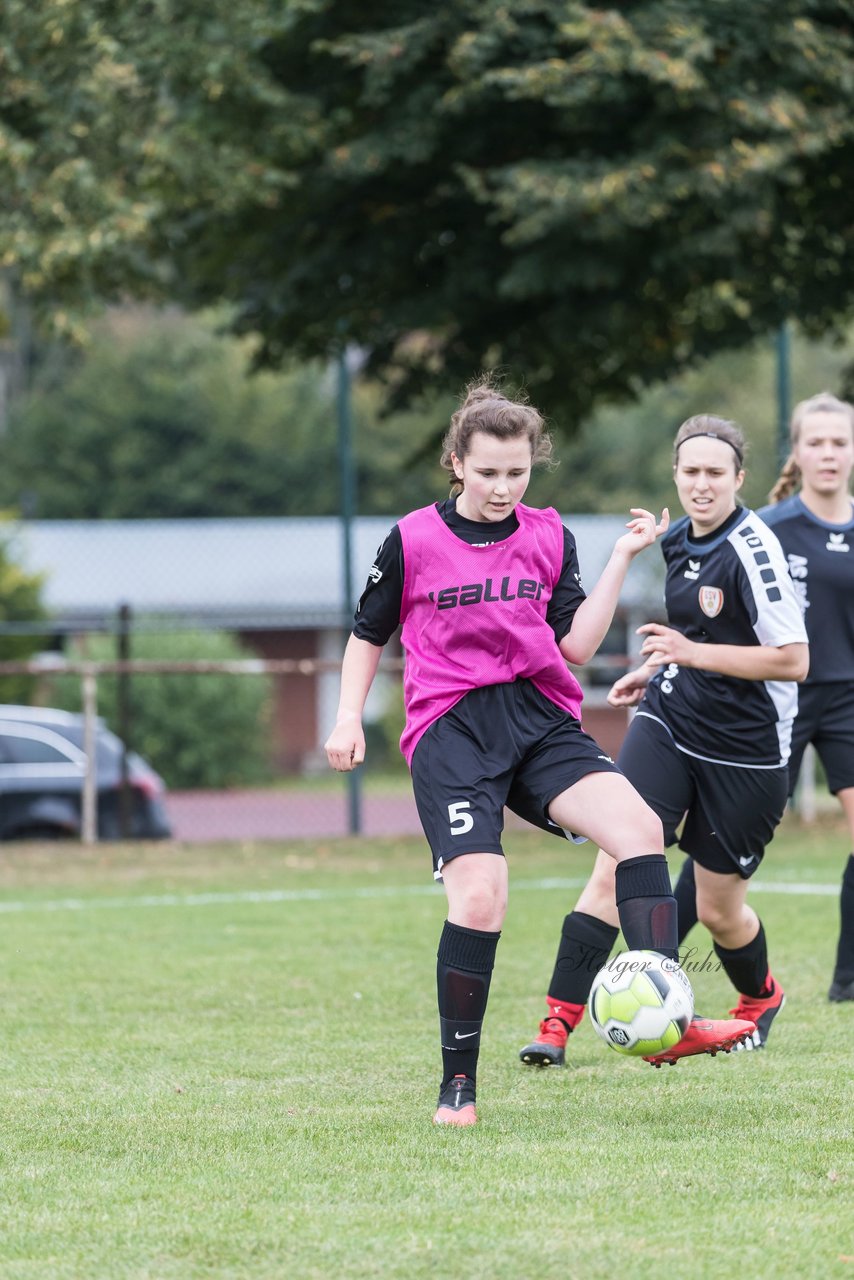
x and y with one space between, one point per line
489 596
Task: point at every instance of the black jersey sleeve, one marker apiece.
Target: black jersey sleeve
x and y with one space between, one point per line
568 592
378 611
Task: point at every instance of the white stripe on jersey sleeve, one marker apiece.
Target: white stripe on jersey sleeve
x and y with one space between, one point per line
784 695
779 619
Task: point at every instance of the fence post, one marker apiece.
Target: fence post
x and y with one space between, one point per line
784 392
348 508
123 710
90 748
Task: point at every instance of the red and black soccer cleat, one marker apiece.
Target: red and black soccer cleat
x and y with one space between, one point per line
706 1035
762 1010
548 1048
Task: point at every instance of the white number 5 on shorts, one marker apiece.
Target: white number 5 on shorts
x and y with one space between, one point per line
460 822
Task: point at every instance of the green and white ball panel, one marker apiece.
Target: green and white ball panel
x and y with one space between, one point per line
641 1003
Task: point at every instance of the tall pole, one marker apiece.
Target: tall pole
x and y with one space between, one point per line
124 719
89 814
348 509
784 391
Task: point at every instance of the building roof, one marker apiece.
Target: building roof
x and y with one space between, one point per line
264 573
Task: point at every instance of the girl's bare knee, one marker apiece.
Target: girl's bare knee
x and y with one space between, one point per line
712 917
480 910
477 902
653 832
644 835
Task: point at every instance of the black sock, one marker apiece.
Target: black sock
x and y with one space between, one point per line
464 964
685 893
844 971
585 945
747 967
646 905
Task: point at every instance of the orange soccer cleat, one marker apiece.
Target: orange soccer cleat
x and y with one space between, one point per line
706 1035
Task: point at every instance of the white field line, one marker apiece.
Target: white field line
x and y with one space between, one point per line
263 896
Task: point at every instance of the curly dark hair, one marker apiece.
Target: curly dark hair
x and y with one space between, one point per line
486 408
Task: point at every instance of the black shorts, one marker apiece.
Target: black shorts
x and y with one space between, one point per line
503 744
826 719
730 812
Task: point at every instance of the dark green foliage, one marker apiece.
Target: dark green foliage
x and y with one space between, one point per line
159 417
591 197
166 423
197 731
20 603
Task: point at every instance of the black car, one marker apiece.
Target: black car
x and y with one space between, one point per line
42 767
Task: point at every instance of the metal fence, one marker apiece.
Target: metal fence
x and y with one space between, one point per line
373 802
282 591
283 810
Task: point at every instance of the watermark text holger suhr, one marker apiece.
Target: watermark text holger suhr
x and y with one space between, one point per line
690 960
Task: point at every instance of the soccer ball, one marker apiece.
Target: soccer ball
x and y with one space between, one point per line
641 1003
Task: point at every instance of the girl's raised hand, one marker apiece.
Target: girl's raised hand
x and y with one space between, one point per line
643 530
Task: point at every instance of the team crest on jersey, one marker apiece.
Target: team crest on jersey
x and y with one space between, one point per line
711 601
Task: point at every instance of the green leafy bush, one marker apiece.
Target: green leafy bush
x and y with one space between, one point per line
196 730
20 603
383 735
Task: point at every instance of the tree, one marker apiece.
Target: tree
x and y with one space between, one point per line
590 197
124 130
20 606
197 730
623 455
157 418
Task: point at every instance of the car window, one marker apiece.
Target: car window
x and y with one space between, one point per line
20 750
33 744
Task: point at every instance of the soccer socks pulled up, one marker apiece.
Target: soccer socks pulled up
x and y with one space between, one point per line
685 893
584 947
647 906
464 964
747 966
844 971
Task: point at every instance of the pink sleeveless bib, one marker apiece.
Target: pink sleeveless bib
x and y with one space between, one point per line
476 616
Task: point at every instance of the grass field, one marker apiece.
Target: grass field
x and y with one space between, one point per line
223 1062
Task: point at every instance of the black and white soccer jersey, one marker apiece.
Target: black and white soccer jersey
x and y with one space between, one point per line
729 587
821 564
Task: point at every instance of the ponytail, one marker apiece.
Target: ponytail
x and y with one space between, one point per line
787 481
825 402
